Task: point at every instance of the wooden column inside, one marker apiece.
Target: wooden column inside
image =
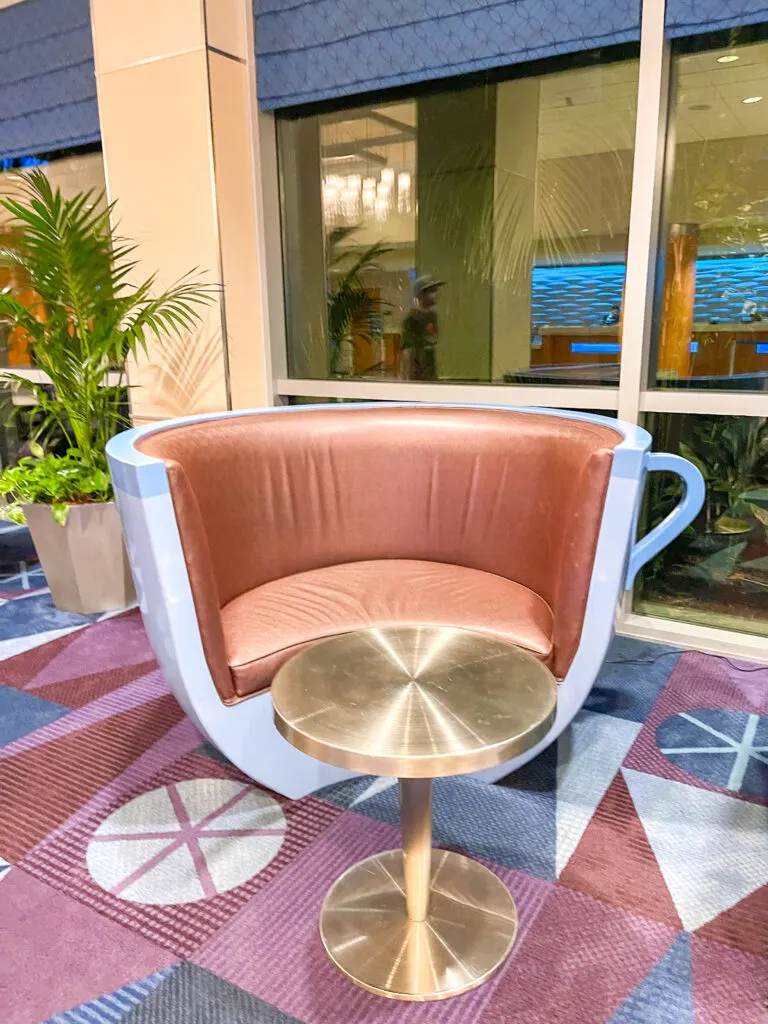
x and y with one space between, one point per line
677 302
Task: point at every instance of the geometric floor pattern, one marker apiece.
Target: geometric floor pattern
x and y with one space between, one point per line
186 842
145 880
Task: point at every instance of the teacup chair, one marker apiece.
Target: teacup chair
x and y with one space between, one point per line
254 534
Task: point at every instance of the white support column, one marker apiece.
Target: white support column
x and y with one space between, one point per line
647 184
645 210
177 103
245 178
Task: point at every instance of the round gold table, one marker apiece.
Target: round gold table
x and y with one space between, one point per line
416 702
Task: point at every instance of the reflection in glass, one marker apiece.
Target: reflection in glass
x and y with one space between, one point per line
713 300
716 572
477 234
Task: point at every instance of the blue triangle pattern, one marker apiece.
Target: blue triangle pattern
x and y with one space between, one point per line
537 776
665 996
478 819
26 616
632 677
114 1007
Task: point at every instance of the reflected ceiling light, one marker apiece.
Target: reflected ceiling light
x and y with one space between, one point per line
369 200
727 58
331 207
350 203
404 192
752 99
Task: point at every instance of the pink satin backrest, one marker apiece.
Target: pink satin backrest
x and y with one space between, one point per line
517 494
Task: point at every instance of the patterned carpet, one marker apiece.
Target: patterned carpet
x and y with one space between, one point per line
145 881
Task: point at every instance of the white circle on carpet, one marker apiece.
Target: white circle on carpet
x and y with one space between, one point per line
185 842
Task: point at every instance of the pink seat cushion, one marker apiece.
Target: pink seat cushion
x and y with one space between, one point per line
266 625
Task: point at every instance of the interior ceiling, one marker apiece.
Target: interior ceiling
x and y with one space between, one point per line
589 110
721 88
360 141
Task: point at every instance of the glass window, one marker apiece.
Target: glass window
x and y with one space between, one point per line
716 572
477 234
712 305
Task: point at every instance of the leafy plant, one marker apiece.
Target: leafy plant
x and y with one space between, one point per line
87 319
348 299
55 480
732 455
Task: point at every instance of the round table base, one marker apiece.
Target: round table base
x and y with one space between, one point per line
468 933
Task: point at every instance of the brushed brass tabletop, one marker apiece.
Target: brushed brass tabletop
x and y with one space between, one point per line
417 702
414 701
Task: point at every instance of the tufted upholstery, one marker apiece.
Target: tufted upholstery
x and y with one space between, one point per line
299 525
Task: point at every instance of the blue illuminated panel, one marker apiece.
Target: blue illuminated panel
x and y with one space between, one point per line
595 346
584 295
694 347
13 163
762 349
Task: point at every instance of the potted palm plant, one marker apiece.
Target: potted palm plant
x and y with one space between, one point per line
84 321
348 300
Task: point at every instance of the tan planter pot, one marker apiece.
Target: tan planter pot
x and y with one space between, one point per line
85 562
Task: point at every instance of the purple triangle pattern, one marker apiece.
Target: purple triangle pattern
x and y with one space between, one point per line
109 1009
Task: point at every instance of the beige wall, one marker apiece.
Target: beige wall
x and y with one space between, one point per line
177 124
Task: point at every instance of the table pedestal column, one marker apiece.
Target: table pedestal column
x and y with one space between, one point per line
418 923
416 828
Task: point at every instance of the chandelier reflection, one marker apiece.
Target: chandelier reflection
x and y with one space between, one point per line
348 199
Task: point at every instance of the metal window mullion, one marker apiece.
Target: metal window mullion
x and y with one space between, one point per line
388 390
645 208
706 403
644 216
271 300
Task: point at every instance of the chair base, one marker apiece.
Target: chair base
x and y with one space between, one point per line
467 935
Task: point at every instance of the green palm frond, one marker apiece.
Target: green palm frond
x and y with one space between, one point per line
344 306
91 317
347 297
15 312
335 239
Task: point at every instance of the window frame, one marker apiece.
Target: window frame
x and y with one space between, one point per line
631 399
